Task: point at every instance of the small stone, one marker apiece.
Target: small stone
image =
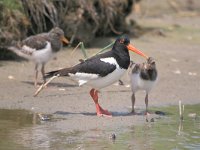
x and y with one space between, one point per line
61 89
160 113
174 60
192 115
121 82
177 71
192 73
11 77
44 117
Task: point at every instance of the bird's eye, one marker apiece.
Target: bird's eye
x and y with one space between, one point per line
121 41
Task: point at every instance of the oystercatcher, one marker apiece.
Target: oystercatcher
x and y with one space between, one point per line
101 70
143 77
40 48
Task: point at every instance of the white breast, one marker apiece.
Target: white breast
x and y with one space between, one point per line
111 78
42 56
137 83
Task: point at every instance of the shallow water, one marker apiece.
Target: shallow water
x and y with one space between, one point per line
21 129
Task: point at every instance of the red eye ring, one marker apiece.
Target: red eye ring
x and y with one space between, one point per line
121 41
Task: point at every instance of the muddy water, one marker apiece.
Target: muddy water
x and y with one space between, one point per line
21 129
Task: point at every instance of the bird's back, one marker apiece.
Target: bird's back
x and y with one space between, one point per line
37 42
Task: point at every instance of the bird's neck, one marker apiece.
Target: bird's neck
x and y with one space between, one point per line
55 43
122 56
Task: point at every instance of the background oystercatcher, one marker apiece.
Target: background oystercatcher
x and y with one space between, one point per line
101 70
143 77
40 48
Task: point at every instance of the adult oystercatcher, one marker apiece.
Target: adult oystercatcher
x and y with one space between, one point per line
40 48
143 77
101 70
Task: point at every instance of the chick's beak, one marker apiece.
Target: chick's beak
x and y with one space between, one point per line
63 39
133 49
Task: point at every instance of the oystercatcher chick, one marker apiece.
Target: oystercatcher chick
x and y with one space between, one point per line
40 48
143 77
101 70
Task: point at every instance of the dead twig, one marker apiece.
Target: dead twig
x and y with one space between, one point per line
44 85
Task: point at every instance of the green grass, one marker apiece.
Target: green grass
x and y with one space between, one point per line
12 4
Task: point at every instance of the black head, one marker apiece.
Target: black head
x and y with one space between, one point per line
151 64
123 43
123 40
58 33
120 50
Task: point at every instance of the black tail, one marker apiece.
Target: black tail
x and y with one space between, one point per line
61 72
51 74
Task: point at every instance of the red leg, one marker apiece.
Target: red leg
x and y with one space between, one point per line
100 111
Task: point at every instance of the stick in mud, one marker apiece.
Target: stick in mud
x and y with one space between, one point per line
181 110
44 85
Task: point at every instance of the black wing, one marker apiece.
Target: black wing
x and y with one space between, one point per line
95 66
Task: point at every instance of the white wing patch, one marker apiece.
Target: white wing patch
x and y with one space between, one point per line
81 82
110 60
84 77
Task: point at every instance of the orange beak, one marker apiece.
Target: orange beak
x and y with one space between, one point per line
63 39
132 48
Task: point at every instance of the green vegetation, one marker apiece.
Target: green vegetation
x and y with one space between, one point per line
13 25
12 4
